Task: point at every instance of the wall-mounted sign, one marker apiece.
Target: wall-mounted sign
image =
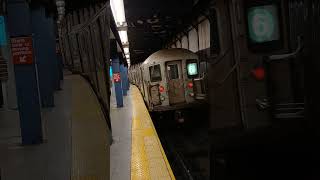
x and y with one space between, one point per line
116 77
3 34
22 50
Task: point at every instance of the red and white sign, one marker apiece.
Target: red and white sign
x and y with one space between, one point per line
116 77
22 50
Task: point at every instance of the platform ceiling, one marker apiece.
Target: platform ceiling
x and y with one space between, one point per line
151 23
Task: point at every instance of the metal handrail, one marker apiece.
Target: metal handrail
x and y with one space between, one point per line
288 55
200 78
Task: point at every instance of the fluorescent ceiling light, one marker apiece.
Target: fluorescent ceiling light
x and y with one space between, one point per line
117 8
123 36
126 50
127 56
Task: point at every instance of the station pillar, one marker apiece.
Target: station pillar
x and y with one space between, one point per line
52 52
43 47
117 81
123 80
20 32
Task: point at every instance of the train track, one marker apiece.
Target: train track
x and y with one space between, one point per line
178 163
187 150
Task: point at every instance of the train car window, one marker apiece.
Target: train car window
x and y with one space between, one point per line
173 71
155 73
263 26
192 68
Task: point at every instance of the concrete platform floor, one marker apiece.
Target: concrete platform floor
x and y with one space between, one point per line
76 139
120 150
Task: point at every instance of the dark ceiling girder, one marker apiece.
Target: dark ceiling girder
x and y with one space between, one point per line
71 5
150 37
189 19
155 23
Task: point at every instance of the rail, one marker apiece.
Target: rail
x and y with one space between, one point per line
288 55
200 78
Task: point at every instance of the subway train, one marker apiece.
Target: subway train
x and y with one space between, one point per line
166 79
84 41
255 53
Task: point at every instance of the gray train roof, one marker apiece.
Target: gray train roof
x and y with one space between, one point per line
170 54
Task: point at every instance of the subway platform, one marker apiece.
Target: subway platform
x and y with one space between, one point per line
77 141
136 152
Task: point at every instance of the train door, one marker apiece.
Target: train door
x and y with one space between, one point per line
175 82
146 78
153 85
259 33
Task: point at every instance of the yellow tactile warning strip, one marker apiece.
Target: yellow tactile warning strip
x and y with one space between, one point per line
90 145
148 160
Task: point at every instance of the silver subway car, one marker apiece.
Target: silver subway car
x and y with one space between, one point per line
166 79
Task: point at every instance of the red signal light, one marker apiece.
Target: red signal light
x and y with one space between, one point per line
259 73
190 85
161 89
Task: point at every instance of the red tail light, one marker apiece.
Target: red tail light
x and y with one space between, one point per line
161 89
258 73
190 85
